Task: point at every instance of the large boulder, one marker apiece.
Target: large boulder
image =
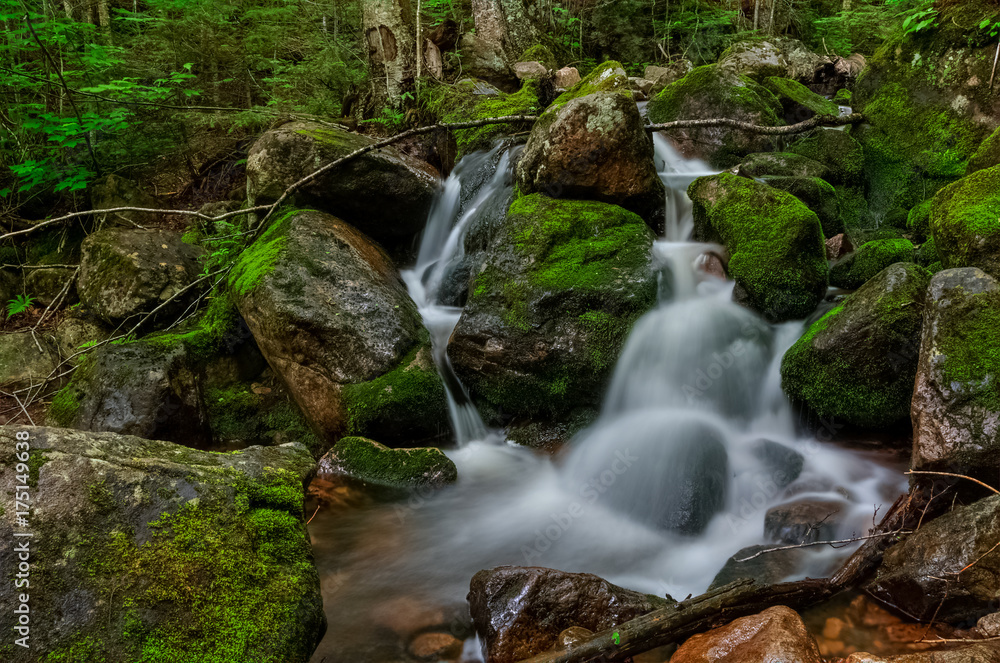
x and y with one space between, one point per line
928 106
956 400
760 59
858 362
328 309
712 91
374 463
853 270
775 243
520 611
384 193
777 634
549 311
965 222
817 194
593 148
150 550
943 570
126 273
837 150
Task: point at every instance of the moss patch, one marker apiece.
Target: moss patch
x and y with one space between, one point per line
397 468
259 259
965 222
969 340
539 53
609 76
459 103
871 258
800 94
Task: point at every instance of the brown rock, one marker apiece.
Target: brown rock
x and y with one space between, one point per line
777 634
405 615
986 652
838 246
436 646
805 521
567 77
528 70
573 636
989 626
712 264
521 611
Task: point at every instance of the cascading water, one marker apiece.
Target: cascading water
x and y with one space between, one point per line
694 444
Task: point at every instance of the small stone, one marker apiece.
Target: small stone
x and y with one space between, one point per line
529 70
833 628
711 264
567 77
989 626
436 646
805 521
573 636
405 615
838 247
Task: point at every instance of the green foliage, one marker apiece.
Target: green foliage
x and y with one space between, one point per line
19 304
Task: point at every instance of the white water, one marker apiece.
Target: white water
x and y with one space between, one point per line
656 495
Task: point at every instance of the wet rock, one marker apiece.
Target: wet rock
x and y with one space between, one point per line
566 78
854 270
395 468
520 611
711 264
779 266
777 634
956 400
713 91
127 273
436 646
838 246
986 652
858 362
783 463
572 636
385 194
551 307
525 70
964 222
332 317
768 568
145 535
593 148
25 361
804 521
818 195
922 572
114 191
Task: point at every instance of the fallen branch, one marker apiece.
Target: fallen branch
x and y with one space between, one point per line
811 123
820 543
957 476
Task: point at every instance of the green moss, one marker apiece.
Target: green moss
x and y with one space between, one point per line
259 259
101 497
35 461
837 150
918 220
399 468
965 222
206 337
987 155
969 340
539 53
778 258
607 77
871 258
237 414
459 103
800 94
192 235
843 97
412 392
927 254
64 407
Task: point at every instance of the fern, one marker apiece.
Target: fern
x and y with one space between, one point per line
19 305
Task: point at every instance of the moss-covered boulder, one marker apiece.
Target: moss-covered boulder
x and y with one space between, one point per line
818 195
386 194
775 243
986 155
965 222
837 150
853 270
783 164
470 100
562 283
944 570
145 550
774 56
24 361
796 97
956 400
927 253
609 76
928 107
918 220
328 309
713 91
540 54
377 464
127 272
857 363
593 148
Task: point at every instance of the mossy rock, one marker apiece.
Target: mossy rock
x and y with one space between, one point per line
163 553
861 236
775 243
818 194
465 102
843 97
799 94
375 463
609 76
241 414
965 222
782 164
712 91
986 155
857 363
927 253
918 220
24 361
854 270
842 155
562 284
541 54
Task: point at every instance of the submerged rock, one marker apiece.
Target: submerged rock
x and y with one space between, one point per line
855 269
943 570
550 309
328 310
956 400
965 222
777 634
143 546
520 611
712 91
374 463
126 273
858 362
593 148
803 521
775 243
384 193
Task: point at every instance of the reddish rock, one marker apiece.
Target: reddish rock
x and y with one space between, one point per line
712 264
521 611
567 77
436 646
777 634
838 246
986 652
525 70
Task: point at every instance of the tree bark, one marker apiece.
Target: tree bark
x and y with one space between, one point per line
391 49
505 23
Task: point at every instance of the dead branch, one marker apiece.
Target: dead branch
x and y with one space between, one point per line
812 123
820 543
957 476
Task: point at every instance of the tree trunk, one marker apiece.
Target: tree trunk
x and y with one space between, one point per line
506 24
389 35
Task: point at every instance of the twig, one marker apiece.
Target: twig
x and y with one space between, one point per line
820 543
23 409
811 123
314 514
958 476
993 73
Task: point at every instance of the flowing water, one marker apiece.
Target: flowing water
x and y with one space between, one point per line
694 443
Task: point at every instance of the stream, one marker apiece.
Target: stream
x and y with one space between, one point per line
694 443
